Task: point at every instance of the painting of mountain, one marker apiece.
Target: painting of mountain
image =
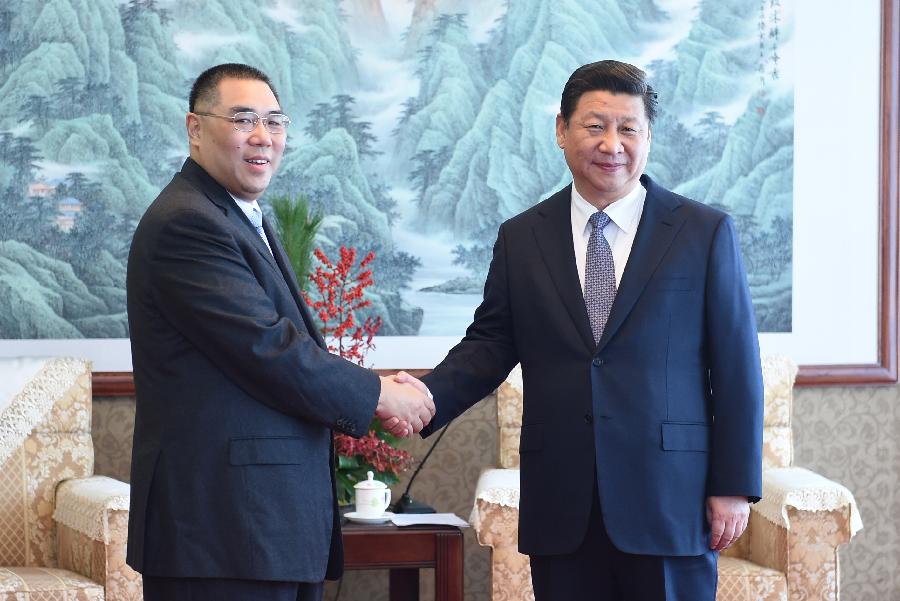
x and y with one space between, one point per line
418 127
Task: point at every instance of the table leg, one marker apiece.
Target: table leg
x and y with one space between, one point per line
448 581
404 584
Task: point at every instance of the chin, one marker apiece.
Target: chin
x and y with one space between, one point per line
256 188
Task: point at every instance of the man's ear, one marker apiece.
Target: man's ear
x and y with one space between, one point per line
561 126
192 124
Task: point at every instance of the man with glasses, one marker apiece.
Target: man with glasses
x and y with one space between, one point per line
232 479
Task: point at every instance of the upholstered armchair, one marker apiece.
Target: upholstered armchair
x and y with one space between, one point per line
790 548
62 530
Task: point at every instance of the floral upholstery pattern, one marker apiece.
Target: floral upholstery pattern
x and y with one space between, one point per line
778 438
42 559
47 584
57 448
102 562
498 528
740 579
790 559
812 553
509 419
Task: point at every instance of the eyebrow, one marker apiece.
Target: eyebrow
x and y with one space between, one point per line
599 115
250 109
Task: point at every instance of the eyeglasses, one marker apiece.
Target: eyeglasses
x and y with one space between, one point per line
275 123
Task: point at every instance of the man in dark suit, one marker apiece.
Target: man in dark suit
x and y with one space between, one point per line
628 307
232 469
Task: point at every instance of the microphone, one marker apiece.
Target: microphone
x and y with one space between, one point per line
406 504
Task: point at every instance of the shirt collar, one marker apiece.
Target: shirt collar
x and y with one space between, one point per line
246 206
622 212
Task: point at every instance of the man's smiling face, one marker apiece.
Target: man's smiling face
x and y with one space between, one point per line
242 162
606 142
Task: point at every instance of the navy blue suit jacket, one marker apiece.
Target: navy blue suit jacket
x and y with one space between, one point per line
667 408
232 468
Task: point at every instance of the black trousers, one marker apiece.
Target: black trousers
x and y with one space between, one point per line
598 571
224 589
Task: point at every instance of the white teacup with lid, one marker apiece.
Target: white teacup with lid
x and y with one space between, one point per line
372 497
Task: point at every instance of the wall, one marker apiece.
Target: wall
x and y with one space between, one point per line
851 435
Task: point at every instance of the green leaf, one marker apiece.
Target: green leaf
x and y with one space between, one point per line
344 489
384 435
297 226
388 478
347 463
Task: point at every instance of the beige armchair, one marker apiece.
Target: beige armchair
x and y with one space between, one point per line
790 549
62 531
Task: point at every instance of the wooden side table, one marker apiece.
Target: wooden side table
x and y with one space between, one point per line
404 551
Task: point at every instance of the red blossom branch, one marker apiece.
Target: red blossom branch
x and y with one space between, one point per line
339 294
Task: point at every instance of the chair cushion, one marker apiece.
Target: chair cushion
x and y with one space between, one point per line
47 584
742 580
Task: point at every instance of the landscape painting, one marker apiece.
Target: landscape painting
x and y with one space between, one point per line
418 126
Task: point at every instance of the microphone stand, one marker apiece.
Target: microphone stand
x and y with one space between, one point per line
406 504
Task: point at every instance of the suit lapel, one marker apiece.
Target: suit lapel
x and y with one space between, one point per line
277 259
222 199
660 222
554 239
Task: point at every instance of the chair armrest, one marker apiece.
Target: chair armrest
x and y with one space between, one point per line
92 532
797 527
495 514
500 486
495 518
789 490
84 505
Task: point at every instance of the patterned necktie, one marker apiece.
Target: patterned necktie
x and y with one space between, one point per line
256 220
599 276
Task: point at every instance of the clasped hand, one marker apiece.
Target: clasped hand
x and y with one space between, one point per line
404 407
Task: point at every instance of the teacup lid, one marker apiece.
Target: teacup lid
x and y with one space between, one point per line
370 483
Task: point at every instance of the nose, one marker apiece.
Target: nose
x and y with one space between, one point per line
260 136
610 142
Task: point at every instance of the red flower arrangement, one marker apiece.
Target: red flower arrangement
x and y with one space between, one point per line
340 290
341 294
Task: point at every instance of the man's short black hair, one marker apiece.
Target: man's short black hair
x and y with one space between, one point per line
608 76
205 88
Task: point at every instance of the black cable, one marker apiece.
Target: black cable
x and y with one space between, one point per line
424 459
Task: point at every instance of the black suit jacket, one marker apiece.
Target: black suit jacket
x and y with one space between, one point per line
232 468
664 411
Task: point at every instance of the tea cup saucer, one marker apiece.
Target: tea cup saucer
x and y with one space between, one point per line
357 517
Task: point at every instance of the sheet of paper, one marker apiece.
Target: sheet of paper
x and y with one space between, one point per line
414 519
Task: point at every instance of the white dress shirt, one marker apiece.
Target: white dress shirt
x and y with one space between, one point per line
624 215
247 207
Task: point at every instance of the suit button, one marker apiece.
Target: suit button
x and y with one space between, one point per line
588 418
597 361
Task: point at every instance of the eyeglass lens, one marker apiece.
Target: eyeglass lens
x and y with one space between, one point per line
274 123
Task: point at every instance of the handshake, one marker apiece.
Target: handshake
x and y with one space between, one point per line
405 406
